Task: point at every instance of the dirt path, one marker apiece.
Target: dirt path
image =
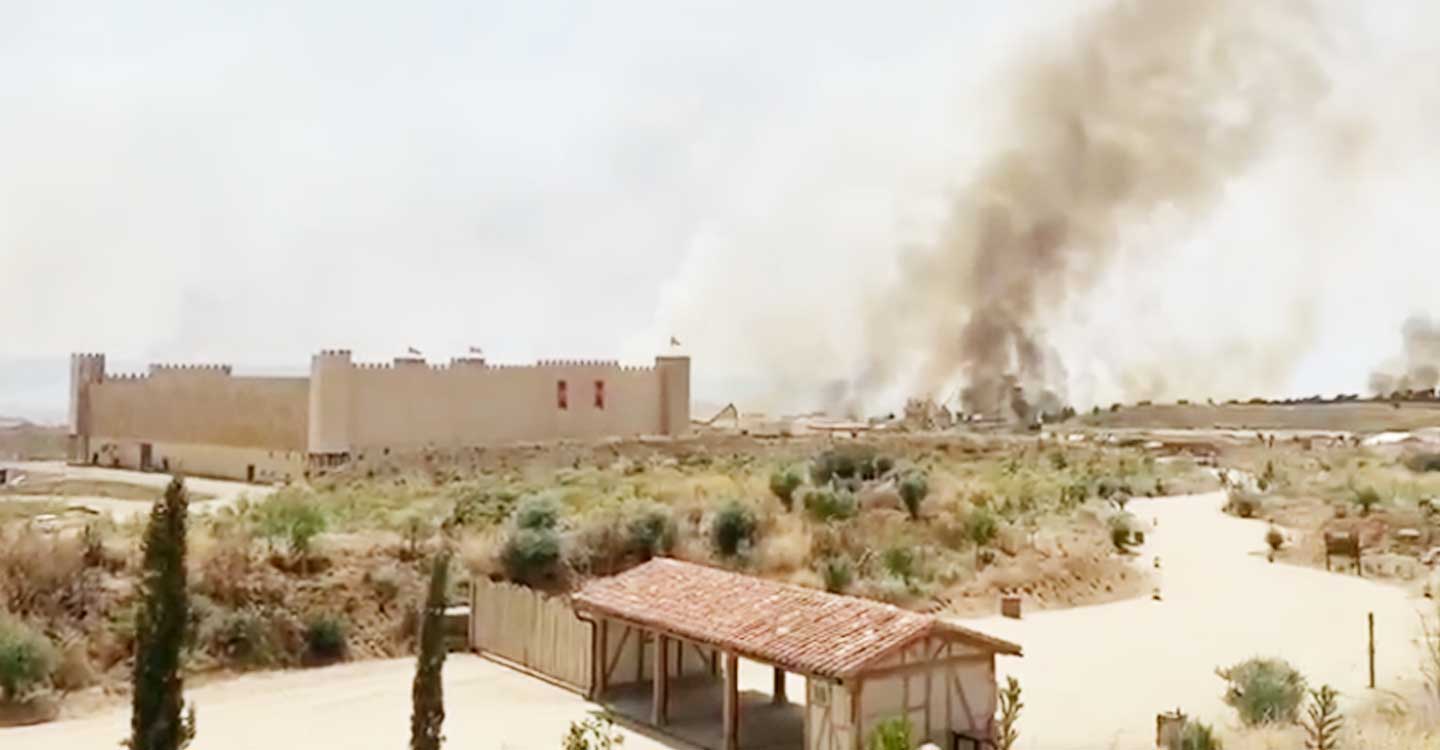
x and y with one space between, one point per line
1095 677
221 492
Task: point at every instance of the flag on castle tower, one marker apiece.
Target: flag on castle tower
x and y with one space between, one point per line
476 350
674 341
413 350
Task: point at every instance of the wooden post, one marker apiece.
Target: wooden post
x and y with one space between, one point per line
659 716
1371 618
732 702
777 696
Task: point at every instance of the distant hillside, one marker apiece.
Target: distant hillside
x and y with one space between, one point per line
1361 416
21 441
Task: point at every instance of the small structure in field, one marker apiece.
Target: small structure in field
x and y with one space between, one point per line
669 637
1343 543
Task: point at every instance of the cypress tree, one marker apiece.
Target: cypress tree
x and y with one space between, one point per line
427 695
156 721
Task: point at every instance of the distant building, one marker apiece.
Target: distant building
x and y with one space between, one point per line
203 420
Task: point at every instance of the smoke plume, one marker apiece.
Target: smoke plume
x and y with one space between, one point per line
1418 367
1147 108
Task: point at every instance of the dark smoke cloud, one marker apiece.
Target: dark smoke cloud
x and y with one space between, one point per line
1418 368
1149 106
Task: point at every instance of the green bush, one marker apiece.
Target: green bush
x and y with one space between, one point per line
530 555
838 574
478 509
783 483
884 465
732 529
27 658
1244 504
1367 499
1122 531
595 733
326 639
1195 735
891 734
243 638
830 504
981 526
651 531
537 513
294 520
1274 538
913 489
899 562
1264 691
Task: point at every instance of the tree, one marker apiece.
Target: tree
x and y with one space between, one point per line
1323 720
913 489
427 695
156 721
1010 705
783 483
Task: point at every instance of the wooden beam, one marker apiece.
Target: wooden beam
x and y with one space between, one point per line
777 695
659 713
619 649
732 702
597 660
857 697
949 661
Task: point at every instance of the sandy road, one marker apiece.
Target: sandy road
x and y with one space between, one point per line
1095 677
222 492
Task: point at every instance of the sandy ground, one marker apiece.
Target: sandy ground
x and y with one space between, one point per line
1095 677
222 492
362 706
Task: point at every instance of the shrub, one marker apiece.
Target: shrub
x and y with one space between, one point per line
537 513
530 555
1121 532
1274 538
474 508
1323 720
913 489
1010 704
1074 494
1367 499
1244 504
27 658
1264 691
242 638
981 526
891 734
1195 735
883 465
295 520
326 639
831 504
783 483
651 531
594 733
732 528
899 562
838 574
1423 462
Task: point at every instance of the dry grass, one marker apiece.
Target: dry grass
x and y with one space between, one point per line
1354 417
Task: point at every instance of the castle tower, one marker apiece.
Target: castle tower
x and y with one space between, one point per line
329 422
674 394
85 370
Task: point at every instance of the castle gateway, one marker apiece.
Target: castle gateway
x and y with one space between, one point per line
204 421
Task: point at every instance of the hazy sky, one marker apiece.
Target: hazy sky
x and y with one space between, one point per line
251 181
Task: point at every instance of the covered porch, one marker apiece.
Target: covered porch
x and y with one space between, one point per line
670 639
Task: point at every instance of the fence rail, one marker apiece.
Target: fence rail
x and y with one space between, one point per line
532 630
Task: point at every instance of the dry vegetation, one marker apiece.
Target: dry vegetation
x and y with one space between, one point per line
32 442
328 570
1358 416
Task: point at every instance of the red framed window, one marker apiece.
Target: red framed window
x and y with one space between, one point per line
599 394
562 398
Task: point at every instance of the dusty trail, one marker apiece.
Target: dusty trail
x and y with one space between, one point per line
1095 677
222 492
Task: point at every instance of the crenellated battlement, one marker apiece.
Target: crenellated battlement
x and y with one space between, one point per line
578 363
189 369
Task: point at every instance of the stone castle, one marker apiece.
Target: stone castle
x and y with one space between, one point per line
202 420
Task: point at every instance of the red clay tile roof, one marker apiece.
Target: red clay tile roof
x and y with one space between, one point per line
802 630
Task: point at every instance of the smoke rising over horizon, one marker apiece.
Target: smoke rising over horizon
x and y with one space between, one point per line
1418 366
1149 106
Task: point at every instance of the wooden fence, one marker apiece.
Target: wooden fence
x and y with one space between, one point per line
531 630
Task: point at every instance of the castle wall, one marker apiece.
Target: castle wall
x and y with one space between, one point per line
411 405
229 462
201 406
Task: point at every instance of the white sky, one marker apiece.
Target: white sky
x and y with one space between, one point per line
252 181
